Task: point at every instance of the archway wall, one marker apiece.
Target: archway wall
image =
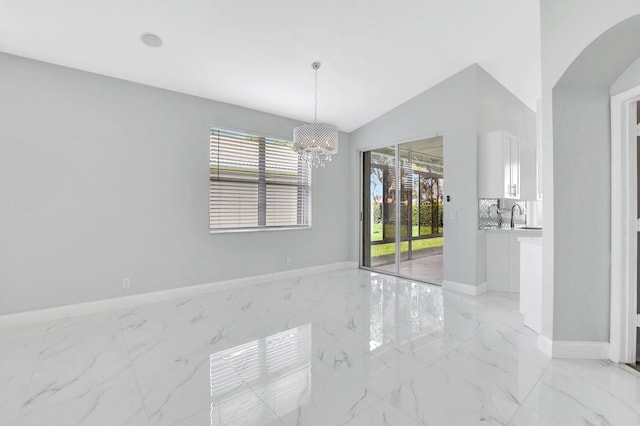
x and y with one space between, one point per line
628 80
567 27
581 186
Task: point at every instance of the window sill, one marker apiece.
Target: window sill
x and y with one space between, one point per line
269 229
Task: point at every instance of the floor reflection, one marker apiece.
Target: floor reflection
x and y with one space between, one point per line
279 367
403 310
279 364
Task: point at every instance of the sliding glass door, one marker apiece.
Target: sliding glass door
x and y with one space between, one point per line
402 222
379 212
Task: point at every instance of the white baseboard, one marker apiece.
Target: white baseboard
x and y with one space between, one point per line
567 349
86 308
545 345
470 289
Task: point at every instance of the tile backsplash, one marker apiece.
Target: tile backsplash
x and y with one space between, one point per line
494 213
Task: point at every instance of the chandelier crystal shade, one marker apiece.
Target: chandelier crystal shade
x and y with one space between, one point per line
316 142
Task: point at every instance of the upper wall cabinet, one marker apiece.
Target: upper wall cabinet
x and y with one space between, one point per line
528 173
498 165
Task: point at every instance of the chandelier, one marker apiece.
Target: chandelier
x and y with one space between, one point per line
315 142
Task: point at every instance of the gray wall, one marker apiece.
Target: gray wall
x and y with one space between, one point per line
103 179
582 213
458 108
499 109
446 109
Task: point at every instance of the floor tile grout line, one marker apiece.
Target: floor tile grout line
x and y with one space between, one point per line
587 379
49 364
135 376
90 394
415 422
266 404
31 376
544 373
83 397
385 398
372 406
465 380
517 359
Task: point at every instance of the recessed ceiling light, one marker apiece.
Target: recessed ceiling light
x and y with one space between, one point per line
151 40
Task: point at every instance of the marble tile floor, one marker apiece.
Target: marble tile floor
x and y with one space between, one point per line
348 347
426 269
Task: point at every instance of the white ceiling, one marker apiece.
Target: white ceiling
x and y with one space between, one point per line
375 54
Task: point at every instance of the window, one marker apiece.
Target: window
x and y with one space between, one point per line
256 183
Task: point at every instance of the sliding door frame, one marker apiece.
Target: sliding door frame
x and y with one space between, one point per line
361 245
398 200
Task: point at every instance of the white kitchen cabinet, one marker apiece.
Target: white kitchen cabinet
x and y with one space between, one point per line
539 150
504 258
531 282
499 262
528 175
498 165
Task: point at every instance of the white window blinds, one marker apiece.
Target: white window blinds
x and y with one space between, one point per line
256 183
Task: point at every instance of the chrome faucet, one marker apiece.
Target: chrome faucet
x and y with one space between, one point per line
513 216
497 206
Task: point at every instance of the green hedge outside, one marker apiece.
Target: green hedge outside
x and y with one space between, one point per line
425 214
416 246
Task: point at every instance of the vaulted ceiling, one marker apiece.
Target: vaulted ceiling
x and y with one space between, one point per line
375 54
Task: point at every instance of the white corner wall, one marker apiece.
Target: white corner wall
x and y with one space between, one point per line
499 109
103 179
587 20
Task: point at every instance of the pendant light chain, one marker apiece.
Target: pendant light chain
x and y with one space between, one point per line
315 113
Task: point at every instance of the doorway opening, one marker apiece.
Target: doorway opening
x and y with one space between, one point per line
625 208
637 363
403 203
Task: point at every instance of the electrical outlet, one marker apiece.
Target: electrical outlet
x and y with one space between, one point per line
126 283
288 261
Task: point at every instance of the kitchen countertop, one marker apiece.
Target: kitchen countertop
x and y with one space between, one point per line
530 240
508 229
